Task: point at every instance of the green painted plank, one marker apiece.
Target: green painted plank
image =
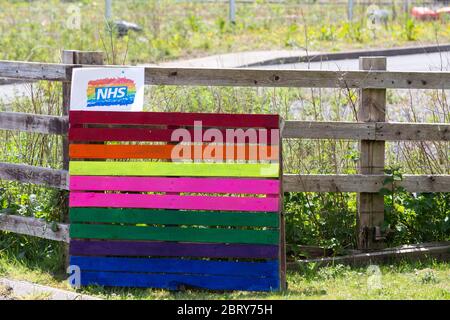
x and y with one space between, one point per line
102 168
213 235
209 218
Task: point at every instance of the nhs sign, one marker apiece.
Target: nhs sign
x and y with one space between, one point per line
107 89
110 92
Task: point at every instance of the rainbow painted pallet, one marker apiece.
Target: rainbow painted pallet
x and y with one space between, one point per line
145 215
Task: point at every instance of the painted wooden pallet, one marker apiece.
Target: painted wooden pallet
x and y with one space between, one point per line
144 215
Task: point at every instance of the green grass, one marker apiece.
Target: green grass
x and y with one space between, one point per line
403 280
172 29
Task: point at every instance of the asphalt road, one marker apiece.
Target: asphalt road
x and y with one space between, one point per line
414 62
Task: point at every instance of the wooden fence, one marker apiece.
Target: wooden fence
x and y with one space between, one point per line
372 131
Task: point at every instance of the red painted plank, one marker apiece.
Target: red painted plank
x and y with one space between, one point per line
175 119
119 134
146 134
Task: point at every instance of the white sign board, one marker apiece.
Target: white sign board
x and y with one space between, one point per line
107 89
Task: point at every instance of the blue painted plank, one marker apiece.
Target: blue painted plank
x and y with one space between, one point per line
175 281
155 265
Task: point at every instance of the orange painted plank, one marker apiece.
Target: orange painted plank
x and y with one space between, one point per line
236 152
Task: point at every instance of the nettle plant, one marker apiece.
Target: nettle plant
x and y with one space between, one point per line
413 217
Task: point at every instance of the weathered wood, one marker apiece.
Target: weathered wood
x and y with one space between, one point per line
73 57
282 222
36 175
34 227
363 183
77 58
389 131
29 122
372 108
413 252
34 70
412 131
381 131
296 78
328 130
243 77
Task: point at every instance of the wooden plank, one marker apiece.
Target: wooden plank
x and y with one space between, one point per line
34 71
412 131
296 78
174 217
36 175
192 185
167 135
441 251
246 76
282 227
171 249
187 234
176 119
75 57
362 183
328 130
372 108
95 168
34 227
165 152
381 131
184 266
33 123
146 201
176 282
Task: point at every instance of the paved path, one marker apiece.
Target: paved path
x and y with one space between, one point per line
236 60
414 62
16 289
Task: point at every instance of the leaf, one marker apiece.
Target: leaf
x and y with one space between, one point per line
388 180
54 226
384 192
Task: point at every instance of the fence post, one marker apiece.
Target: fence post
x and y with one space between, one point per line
372 108
73 57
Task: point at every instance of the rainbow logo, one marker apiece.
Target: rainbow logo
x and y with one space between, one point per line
111 92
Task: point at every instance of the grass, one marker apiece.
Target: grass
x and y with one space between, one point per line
404 280
184 29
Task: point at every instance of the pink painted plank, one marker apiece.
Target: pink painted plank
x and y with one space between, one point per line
91 199
156 184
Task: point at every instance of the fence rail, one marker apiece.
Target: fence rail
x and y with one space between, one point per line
381 131
247 77
371 131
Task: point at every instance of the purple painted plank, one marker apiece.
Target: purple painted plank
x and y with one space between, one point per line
121 200
171 249
157 184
